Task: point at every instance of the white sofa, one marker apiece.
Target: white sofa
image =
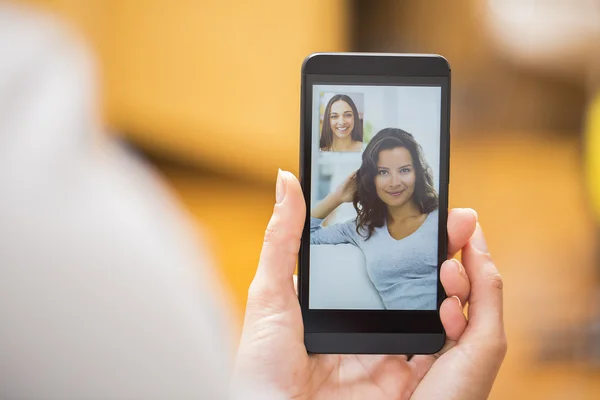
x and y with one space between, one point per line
339 280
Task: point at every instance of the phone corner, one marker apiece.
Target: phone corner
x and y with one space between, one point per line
443 62
440 342
311 343
317 62
308 60
433 344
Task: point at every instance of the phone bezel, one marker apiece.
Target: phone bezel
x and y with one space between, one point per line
372 331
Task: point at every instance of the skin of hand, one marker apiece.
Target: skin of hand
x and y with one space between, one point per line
344 193
272 362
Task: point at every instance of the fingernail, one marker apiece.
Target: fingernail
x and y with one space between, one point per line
474 214
459 303
279 188
478 240
458 266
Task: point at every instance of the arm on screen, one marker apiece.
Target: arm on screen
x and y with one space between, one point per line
344 232
343 194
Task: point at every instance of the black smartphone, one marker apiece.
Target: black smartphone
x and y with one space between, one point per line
374 168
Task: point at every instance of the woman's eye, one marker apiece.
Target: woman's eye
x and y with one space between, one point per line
405 170
382 172
348 115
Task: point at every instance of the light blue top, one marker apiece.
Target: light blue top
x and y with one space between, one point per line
404 271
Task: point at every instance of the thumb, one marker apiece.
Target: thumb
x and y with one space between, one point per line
282 239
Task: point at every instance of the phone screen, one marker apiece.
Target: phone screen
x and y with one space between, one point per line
375 160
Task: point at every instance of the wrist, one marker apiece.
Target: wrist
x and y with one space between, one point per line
334 200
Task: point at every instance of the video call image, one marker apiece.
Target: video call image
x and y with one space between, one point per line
374 197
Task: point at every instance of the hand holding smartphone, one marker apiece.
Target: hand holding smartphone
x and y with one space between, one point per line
343 305
374 172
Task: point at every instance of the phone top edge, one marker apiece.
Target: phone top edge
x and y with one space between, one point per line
375 54
366 63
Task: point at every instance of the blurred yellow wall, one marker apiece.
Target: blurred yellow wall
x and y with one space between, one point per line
209 82
215 84
592 150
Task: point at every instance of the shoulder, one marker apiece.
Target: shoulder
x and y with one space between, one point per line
350 227
349 224
432 218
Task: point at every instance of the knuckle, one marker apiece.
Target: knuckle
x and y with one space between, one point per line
272 227
258 292
274 234
286 242
500 346
270 231
258 295
489 346
253 292
486 258
264 300
496 280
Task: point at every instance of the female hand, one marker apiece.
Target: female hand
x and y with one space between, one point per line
272 362
347 189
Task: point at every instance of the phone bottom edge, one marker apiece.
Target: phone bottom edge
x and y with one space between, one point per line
374 343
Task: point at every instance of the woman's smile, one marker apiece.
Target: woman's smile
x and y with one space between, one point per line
396 193
342 130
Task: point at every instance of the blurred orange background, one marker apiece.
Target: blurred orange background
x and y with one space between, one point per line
209 92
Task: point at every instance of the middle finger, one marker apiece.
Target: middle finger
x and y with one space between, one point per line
455 280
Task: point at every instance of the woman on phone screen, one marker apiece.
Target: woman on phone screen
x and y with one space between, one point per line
342 128
397 220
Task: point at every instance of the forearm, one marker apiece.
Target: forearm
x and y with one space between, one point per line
325 207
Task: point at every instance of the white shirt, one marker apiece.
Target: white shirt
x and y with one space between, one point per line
104 290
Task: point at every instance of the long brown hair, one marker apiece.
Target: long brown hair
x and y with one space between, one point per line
371 210
327 134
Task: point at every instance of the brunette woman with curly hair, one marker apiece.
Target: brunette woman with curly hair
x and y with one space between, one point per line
397 220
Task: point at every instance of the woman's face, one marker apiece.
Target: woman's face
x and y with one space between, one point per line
341 119
395 178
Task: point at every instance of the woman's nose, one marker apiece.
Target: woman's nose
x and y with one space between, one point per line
396 180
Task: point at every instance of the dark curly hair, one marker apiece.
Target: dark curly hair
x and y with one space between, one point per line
371 210
327 134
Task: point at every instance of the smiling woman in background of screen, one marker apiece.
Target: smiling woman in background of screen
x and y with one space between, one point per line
342 127
397 220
